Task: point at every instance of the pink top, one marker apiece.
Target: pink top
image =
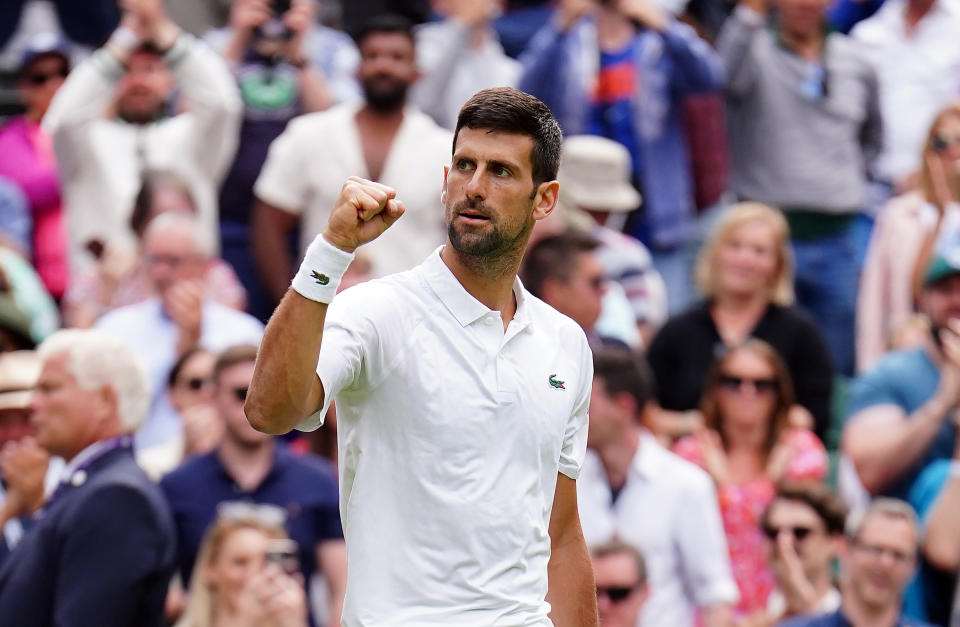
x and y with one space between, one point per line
742 505
27 159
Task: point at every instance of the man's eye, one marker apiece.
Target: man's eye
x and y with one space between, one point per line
501 171
464 165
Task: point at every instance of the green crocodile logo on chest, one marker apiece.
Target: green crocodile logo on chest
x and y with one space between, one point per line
555 383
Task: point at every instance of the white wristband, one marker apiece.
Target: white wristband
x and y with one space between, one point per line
322 268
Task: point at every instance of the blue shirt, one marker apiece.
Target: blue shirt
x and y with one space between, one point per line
304 486
837 619
907 379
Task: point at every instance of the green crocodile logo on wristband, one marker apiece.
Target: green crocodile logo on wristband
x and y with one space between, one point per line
322 279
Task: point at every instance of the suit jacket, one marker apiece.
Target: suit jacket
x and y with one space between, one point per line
101 554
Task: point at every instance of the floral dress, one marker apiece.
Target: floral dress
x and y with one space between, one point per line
742 505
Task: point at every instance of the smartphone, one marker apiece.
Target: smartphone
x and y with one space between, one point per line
285 554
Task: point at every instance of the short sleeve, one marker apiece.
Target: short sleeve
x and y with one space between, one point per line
342 349
870 390
283 181
574 448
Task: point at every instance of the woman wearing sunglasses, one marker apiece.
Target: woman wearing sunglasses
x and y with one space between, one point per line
745 273
27 159
747 445
904 227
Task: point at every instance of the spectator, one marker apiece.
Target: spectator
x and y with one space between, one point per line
16 225
941 542
102 157
190 387
745 272
900 413
240 586
886 297
806 132
879 561
251 466
564 272
627 475
381 139
747 446
181 315
595 191
459 55
103 551
804 529
621 575
912 44
26 158
121 275
285 65
647 62
23 464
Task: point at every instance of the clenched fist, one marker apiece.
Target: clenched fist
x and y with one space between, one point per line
363 211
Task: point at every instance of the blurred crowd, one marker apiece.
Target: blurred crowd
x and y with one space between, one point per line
758 231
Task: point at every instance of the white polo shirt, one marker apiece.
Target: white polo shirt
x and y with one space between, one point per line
308 163
668 509
451 434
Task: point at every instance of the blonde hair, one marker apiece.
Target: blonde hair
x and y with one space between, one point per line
200 604
926 176
781 289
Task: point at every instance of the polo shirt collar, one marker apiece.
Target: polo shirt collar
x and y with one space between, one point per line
463 305
649 456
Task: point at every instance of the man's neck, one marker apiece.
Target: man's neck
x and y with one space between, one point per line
614 30
617 456
247 465
914 11
489 280
377 130
861 615
807 46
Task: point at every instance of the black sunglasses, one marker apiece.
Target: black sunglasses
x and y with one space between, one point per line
195 384
36 78
616 594
241 393
737 383
799 533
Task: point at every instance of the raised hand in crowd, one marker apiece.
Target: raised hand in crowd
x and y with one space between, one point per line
645 12
271 598
148 20
948 391
202 429
757 6
298 20
570 11
183 302
473 13
23 466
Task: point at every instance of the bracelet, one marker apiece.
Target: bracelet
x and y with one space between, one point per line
322 268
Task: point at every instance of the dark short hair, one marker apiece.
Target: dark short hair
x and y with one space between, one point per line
182 361
509 110
151 182
239 354
619 547
622 371
818 497
554 257
383 23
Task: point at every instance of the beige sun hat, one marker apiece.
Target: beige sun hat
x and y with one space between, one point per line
19 371
595 174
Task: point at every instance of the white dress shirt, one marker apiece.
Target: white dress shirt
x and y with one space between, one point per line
308 163
451 434
919 74
668 510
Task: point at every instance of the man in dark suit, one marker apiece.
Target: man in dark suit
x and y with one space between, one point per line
102 549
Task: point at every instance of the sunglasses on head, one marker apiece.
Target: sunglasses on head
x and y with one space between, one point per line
736 383
37 78
798 533
616 594
942 142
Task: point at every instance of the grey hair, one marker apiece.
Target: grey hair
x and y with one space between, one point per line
882 506
187 224
96 359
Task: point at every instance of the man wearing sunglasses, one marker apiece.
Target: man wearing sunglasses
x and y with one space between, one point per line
620 571
113 118
879 560
251 466
804 527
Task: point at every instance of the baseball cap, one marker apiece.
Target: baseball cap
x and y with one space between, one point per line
595 174
42 44
19 372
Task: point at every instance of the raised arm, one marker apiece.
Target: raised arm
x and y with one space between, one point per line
285 388
735 43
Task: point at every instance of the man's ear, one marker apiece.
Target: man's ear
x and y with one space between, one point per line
443 190
545 200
